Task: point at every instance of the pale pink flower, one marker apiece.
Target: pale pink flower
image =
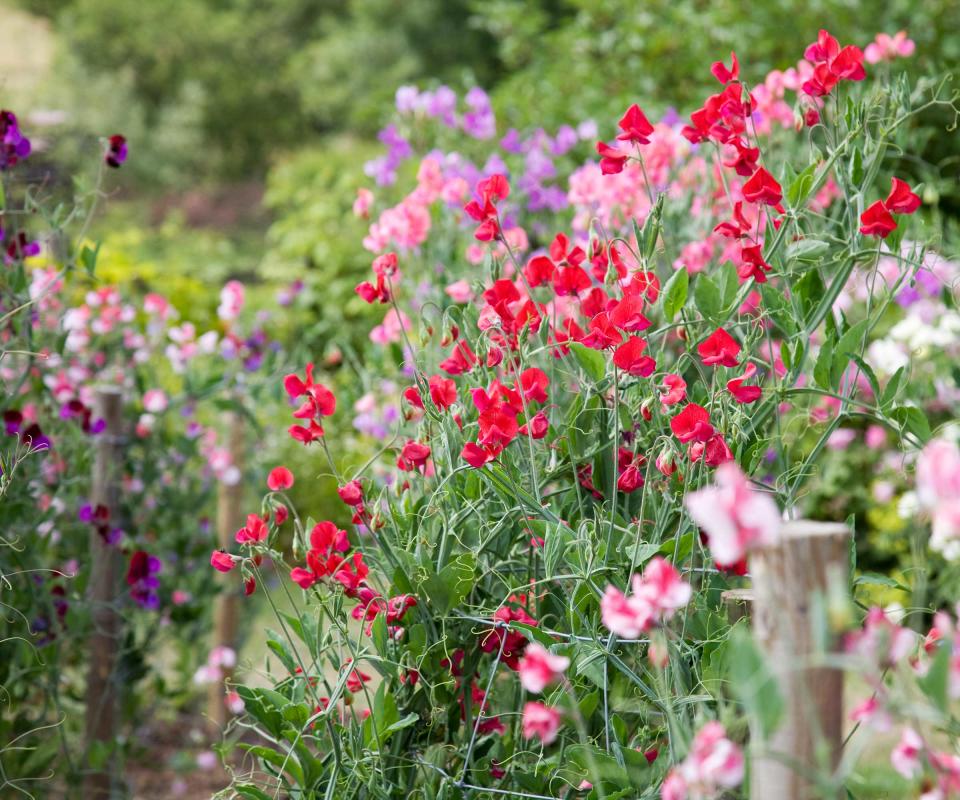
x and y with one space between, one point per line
734 516
938 488
674 787
155 401
675 390
231 301
459 292
541 721
714 762
881 640
662 587
361 206
626 617
905 757
539 667
392 328
888 48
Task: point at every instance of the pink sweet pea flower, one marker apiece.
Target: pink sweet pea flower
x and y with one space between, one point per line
221 561
539 667
541 721
734 516
905 757
279 479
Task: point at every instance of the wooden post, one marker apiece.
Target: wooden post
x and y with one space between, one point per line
788 579
738 603
102 700
230 518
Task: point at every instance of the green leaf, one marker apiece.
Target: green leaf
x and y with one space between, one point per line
856 167
707 296
809 251
88 258
453 583
912 419
675 293
752 682
248 790
889 395
823 366
801 187
592 361
875 579
936 682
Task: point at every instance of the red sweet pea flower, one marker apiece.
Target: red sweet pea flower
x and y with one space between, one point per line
714 451
901 199
745 161
676 390
631 359
539 270
462 359
320 403
255 530
832 64
414 455
737 227
628 314
491 191
351 493
635 126
643 284
724 75
877 221
612 160
352 573
537 427
412 395
279 479
570 281
514 642
476 456
498 425
719 348
326 536
560 251
602 333
763 188
741 393
320 400
692 424
443 392
221 561
533 385
752 264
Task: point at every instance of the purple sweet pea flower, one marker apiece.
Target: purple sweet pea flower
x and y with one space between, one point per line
565 140
14 146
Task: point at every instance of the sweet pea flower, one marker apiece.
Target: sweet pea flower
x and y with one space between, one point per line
541 721
155 401
279 479
734 516
539 667
713 764
938 489
905 756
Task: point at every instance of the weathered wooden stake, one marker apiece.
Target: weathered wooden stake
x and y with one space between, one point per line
230 518
788 577
101 782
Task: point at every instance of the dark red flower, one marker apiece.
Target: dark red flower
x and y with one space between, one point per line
901 199
635 126
762 188
719 348
692 424
877 221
